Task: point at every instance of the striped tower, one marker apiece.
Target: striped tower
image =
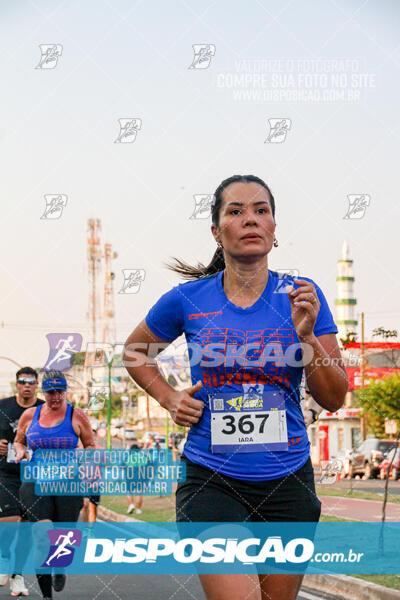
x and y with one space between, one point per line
345 301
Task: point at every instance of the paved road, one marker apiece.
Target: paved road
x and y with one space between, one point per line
121 587
129 587
359 510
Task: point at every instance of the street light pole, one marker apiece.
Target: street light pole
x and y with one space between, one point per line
108 441
363 423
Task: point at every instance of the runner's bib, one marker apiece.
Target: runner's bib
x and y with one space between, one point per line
248 422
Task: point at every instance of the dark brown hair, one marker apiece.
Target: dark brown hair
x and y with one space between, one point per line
217 262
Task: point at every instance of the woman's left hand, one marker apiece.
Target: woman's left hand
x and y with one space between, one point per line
305 306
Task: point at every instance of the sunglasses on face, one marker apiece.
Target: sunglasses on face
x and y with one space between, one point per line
30 380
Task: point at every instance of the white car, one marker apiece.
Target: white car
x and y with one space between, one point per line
130 434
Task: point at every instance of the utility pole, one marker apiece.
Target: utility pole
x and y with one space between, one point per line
94 265
363 423
109 334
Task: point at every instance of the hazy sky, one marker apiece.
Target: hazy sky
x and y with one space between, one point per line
124 59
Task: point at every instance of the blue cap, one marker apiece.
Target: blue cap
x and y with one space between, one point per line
56 383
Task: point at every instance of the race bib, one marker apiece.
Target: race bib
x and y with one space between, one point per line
254 421
11 453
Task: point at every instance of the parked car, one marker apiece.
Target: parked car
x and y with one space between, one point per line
130 434
395 468
365 459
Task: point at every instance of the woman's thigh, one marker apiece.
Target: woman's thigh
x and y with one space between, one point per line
37 508
206 497
289 499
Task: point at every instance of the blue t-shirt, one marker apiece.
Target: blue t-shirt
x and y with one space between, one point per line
257 354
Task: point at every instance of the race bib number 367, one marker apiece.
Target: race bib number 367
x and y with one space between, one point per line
248 424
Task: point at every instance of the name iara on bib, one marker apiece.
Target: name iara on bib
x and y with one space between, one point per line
254 421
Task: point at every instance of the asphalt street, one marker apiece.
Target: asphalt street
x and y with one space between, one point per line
129 587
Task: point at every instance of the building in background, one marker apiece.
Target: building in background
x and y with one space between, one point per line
345 302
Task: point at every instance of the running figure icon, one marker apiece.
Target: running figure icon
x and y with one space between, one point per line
65 349
62 550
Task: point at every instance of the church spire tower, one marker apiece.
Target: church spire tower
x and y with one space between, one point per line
345 302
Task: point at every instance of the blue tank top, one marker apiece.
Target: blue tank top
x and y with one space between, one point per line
60 436
252 426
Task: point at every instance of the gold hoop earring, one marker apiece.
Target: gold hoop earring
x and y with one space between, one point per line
276 242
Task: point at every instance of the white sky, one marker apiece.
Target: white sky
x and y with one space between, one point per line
130 59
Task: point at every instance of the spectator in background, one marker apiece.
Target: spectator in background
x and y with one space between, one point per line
135 502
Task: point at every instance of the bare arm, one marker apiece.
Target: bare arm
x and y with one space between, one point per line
324 370
325 373
83 429
20 448
184 409
143 368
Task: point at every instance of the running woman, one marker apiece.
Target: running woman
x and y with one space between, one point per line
53 425
247 453
11 509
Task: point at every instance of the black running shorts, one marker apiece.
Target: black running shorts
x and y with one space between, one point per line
55 508
10 505
207 496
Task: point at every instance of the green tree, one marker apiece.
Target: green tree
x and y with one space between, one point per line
386 334
380 401
350 338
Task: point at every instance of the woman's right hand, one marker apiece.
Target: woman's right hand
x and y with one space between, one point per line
21 453
184 409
